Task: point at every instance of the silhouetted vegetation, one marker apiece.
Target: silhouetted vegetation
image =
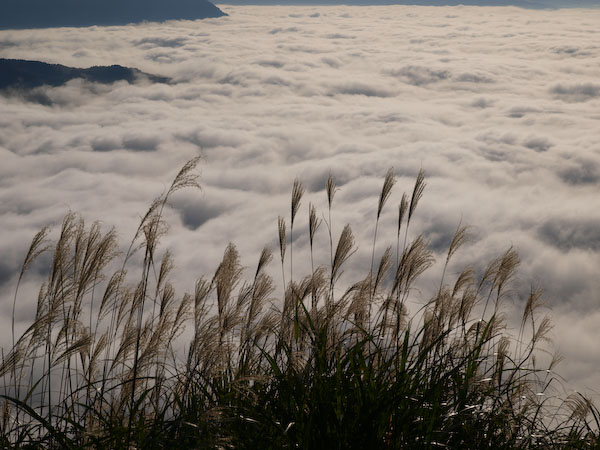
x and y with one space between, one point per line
103 364
21 74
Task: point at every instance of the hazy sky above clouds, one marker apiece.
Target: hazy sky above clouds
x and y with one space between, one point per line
500 107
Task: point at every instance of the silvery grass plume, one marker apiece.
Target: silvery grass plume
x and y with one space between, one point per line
297 193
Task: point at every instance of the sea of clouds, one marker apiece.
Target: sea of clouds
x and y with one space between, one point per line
499 106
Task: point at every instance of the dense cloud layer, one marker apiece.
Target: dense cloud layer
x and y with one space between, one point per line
529 4
500 106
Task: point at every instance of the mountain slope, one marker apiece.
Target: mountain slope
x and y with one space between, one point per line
18 14
20 74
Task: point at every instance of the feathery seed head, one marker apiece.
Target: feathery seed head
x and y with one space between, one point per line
465 280
38 246
227 277
297 193
313 222
384 265
461 236
507 268
542 330
417 193
282 243
533 302
343 251
185 178
331 189
415 260
386 190
402 207
266 256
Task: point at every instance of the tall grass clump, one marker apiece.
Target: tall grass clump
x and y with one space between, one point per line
106 363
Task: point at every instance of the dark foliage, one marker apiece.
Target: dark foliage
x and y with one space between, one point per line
21 74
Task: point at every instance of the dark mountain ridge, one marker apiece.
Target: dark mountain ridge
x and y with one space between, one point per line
19 14
21 74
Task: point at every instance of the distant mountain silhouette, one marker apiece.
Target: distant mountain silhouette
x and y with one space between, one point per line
18 14
20 74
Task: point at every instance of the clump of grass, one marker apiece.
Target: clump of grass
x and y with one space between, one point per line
103 364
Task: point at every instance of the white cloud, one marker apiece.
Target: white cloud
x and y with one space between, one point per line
499 106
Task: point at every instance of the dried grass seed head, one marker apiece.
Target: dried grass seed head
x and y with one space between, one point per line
461 236
417 193
186 178
297 193
227 277
266 256
313 222
282 236
386 190
384 265
507 268
534 301
39 245
343 251
402 207
331 188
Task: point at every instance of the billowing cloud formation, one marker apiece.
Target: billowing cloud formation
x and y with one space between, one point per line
499 106
576 92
